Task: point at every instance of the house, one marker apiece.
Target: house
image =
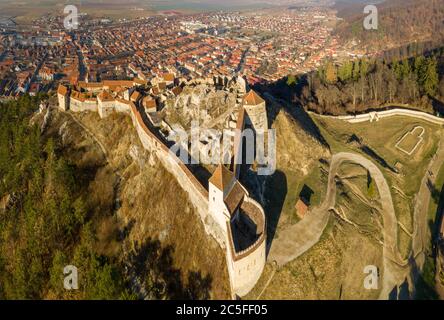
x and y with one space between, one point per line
177 90
149 104
301 208
135 96
168 78
303 204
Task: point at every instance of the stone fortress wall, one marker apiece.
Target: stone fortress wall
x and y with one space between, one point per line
245 267
376 115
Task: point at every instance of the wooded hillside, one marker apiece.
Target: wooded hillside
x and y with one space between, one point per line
400 22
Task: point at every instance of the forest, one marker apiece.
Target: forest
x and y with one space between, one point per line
360 85
400 22
44 223
49 220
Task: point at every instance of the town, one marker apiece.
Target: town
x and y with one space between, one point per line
264 46
239 150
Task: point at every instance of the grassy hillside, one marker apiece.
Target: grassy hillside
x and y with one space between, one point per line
85 193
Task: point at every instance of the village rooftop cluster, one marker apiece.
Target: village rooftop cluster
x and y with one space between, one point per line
263 46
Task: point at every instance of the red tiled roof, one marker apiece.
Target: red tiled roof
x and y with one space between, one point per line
62 90
149 103
234 199
222 177
168 77
135 96
252 99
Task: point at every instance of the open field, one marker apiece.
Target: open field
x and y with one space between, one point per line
382 138
356 204
23 12
354 232
434 201
332 269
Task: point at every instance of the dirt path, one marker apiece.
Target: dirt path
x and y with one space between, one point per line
297 239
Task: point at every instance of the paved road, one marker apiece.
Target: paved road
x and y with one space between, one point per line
36 72
294 240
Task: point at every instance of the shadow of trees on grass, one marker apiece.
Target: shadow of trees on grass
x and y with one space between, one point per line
153 265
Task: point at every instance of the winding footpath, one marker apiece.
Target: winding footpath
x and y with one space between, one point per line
295 240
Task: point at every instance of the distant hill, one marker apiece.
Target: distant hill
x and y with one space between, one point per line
400 22
352 8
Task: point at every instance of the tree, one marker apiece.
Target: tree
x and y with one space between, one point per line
441 87
356 70
105 282
421 70
405 69
41 229
291 80
431 77
331 76
345 71
364 68
56 273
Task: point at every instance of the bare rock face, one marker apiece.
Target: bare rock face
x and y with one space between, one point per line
201 103
141 156
63 132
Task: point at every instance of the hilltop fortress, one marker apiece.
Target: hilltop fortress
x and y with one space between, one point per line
224 205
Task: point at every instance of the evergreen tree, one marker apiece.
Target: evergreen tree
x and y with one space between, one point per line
431 77
331 73
345 71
